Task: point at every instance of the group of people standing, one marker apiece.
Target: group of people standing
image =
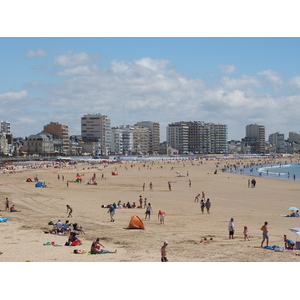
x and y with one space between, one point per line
203 204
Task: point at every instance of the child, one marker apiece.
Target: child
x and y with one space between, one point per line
246 233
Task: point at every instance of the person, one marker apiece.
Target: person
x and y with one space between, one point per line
12 209
231 229
169 184
297 214
148 211
197 198
141 201
67 226
77 228
288 243
207 205
58 227
151 186
73 240
245 232
7 204
111 211
96 248
202 205
161 216
69 210
145 202
164 252
265 235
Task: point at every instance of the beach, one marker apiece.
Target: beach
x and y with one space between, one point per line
191 235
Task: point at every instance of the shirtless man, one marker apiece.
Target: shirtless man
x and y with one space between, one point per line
96 248
164 252
265 235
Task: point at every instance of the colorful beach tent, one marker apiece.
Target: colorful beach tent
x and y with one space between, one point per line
3 220
136 223
29 180
39 184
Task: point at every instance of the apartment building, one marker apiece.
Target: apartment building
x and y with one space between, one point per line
276 141
97 128
59 131
154 135
198 137
178 136
255 138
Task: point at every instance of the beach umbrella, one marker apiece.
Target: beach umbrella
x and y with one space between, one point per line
293 208
295 230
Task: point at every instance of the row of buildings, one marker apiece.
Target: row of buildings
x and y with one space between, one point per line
99 138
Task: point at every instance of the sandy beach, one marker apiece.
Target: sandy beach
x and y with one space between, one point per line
23 235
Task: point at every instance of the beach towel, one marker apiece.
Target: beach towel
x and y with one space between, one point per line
3 220
89 253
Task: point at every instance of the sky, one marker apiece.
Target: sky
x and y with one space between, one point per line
232 80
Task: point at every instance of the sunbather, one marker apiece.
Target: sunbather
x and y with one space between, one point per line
96 248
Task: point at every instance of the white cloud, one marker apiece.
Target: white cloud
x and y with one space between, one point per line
244 82
273 77
13 96
72 59
35 53
295 81
227 69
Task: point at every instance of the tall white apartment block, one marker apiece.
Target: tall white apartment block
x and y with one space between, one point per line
97 128
5 127
154 135
178 136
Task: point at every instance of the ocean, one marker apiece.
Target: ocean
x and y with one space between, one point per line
288 171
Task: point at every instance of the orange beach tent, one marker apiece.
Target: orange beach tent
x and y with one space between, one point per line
136 223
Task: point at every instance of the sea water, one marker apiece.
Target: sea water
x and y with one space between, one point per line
288 171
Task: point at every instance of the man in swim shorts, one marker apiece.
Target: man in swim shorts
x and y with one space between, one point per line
265 235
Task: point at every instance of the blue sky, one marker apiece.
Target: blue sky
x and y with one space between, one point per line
131 64
233 81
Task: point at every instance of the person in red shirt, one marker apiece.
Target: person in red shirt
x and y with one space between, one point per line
161 216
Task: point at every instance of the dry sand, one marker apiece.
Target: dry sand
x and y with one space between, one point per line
22 236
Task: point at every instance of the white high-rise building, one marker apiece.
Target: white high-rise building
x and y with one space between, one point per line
5 127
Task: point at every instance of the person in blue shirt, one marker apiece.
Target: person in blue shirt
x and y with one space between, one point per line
289 243
111 211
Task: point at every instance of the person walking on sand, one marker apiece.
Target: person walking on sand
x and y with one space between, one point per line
7 204
69 210
202 205
245 232
161 216
111 212
148 211
231 229
151 186
208 205
265 234
164 252
169 184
